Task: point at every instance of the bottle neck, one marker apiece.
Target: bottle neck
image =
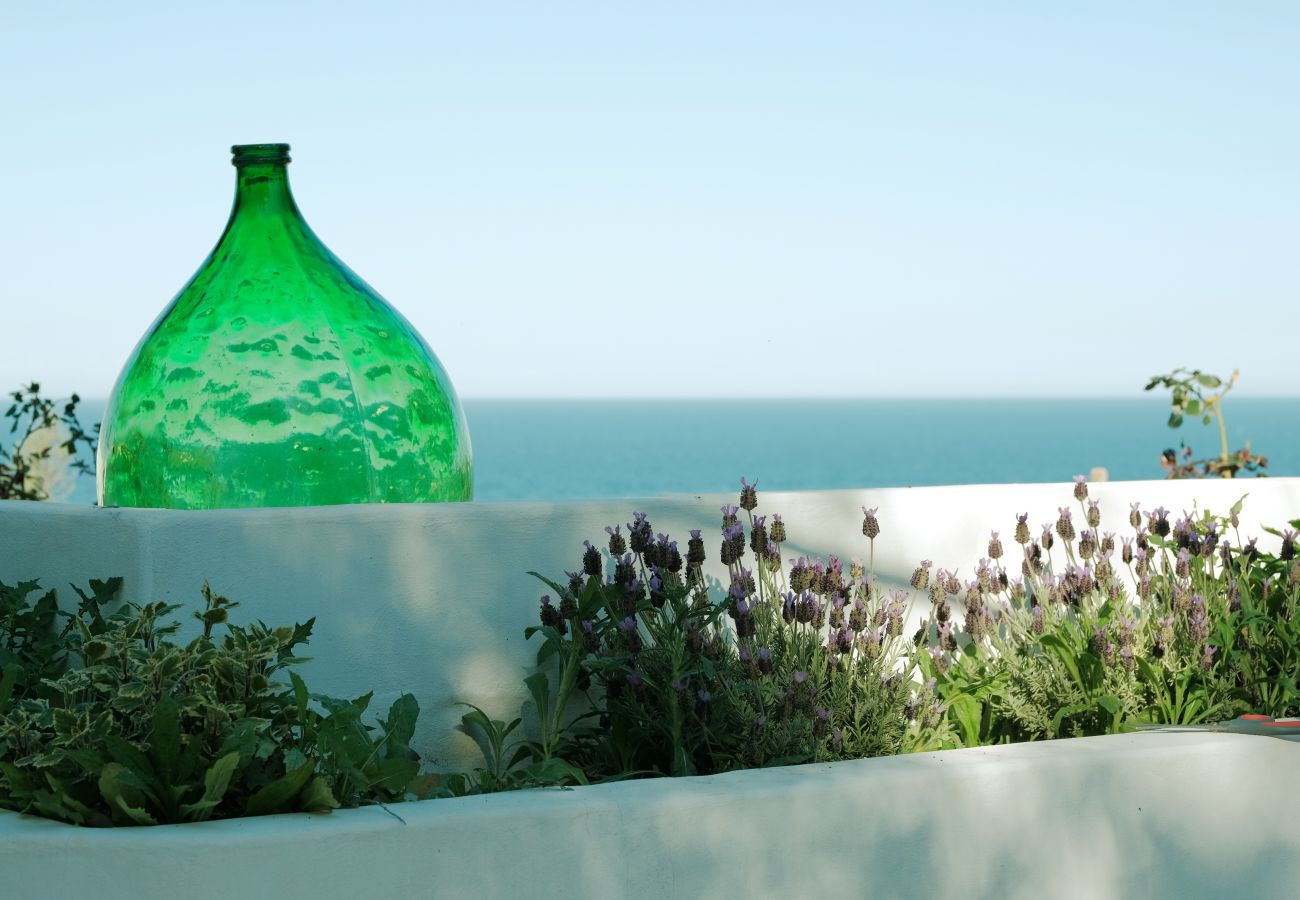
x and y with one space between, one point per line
262 192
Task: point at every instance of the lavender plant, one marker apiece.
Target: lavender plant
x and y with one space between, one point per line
684 677
1174 623
1064 647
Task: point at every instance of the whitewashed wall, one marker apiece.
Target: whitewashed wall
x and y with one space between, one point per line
434 599
1150 816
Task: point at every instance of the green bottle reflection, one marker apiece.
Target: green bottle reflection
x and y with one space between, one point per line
277 377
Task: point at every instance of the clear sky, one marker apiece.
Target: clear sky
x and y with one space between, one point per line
684 199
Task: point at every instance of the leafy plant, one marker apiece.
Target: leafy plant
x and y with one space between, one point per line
107 721
28 458
1190 395
1065 649
1173 624
677 680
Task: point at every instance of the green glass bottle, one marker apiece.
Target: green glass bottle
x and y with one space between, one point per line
277 377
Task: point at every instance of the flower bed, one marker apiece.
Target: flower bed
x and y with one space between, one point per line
434 599
1151 815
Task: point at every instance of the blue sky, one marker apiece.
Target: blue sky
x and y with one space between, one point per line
682 199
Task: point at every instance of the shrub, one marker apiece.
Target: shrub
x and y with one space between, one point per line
108 721
1202 629
42 451
683 677
660 672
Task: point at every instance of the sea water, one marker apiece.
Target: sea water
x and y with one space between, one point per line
568 449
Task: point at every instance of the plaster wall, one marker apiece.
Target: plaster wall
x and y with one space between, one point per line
433 599
1188 815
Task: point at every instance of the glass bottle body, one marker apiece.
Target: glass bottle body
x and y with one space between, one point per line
277 377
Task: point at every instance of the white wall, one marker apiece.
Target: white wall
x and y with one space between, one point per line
433 599
1187 815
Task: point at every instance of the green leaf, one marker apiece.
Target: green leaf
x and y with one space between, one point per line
215 784
1109 703
539 686
300 695
165 740
555 771
392 775
124 792
276 796
1192 407
7 682
1175 419
968 711
400 725
1209 381
127 754
317 796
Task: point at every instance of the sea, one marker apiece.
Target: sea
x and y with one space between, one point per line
558 449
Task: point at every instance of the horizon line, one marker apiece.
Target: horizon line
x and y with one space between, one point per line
677 398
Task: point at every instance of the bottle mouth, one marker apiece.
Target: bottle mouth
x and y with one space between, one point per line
259 154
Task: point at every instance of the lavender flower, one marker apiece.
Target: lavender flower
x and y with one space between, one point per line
1080 488
995 546
702 700
617 545
870 525
1065 527
549 615
1207 657
591 561
922 575
640 534
1087 543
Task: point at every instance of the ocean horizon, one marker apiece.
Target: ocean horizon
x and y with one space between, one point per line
561 449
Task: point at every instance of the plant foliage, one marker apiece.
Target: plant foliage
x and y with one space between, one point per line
105 719
23 456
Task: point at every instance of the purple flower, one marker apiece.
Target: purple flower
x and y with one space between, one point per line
1207 657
